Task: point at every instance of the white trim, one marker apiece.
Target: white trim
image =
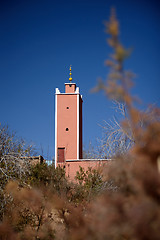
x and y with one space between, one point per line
70 83
77 126
89 160
55 130
66 93
77 90
57 91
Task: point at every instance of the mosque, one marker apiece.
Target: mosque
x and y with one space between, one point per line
68 131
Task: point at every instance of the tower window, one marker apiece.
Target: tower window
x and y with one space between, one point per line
67 129
67 107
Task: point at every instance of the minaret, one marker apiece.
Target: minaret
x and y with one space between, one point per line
68 123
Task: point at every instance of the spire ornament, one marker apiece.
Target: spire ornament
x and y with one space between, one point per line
70 74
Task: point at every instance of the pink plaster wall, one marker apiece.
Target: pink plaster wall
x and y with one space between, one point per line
67 118
72 167
70 88
80 129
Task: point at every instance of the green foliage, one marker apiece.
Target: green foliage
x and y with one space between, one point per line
90 178
42 174
90 182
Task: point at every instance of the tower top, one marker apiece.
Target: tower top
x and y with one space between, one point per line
70 74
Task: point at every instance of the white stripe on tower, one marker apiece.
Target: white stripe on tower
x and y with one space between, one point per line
77 126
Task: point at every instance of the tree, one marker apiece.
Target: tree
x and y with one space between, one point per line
43 175
89 184
15 160
120 136
115 139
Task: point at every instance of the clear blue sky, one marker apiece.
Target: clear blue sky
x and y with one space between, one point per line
40 39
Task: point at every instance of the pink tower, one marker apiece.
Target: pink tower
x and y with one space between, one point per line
68 123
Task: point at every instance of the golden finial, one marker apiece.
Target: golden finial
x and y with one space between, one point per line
70 74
